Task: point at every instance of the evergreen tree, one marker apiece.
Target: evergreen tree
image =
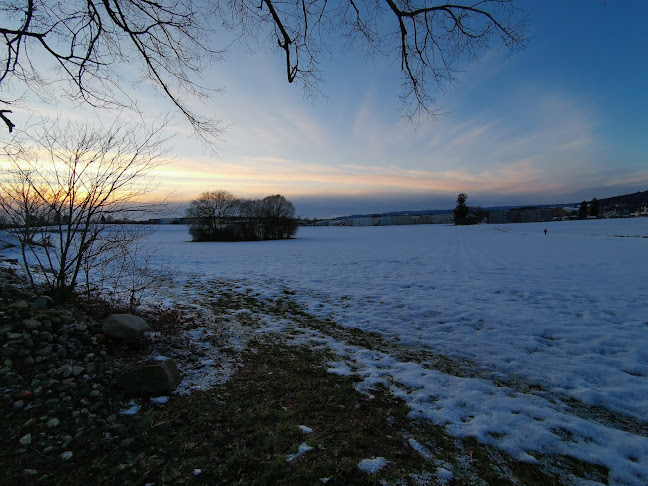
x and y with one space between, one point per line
594 208
583 210
461 211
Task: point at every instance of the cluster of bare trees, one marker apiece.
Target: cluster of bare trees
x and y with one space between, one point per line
60 187
220 216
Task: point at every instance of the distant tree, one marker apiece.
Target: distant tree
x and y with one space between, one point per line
279 218
594 208
559 212
479 212
219 216
583 210
208 213
461 210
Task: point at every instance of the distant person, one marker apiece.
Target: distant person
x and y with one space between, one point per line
545 231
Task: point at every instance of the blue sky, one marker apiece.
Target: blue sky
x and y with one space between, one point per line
561 121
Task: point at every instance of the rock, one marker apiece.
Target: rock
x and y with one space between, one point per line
127 442
94 393
124 326
43 302
20 305
53 422
46 336
52 402
30 422
7 351
77 370
46 351
67 455
65 371
31 324
157 378
25 440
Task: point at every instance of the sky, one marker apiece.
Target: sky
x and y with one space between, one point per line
561 121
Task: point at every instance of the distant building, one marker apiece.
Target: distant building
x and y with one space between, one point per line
522 215
362 221
499 217
385 221
401 219
445 218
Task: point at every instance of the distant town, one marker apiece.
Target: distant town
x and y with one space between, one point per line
500 216
625 206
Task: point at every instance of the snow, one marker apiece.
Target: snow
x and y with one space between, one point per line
132 409
159 400
420 448
303 449
373 465
444 475
305 429
533 343
538 333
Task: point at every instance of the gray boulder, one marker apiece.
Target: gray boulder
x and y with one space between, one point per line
43 302
124 326
155 378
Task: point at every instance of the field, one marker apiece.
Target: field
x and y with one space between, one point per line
411 355
529 344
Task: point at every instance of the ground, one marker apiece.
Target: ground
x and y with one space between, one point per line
278 412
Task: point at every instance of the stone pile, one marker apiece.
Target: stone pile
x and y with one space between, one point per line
60 372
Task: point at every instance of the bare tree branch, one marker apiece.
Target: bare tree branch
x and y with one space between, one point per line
90 41
10 125
431 39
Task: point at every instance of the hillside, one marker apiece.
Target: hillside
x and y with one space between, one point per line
628 201
633 201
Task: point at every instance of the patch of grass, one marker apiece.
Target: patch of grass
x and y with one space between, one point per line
244 431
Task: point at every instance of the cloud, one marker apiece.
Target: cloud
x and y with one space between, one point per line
530 141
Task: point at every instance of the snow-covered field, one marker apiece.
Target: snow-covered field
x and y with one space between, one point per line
549 334
533 343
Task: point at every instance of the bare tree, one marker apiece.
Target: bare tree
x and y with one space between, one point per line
219 216
279 217
209 212
90 41
60 185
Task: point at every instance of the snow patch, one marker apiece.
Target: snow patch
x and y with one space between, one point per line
132 409
159 400
303 449
373 465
